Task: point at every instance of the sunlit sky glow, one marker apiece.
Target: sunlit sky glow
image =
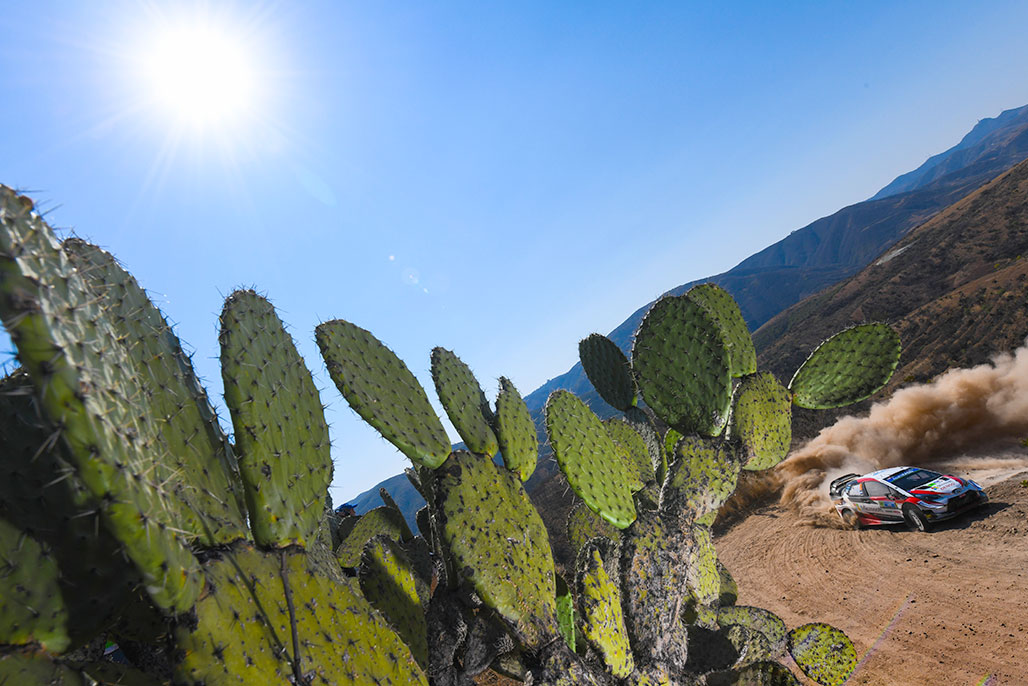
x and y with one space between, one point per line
501 179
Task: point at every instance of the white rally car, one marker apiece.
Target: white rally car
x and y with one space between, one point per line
913 495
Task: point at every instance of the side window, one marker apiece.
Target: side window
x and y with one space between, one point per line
857 490
876 489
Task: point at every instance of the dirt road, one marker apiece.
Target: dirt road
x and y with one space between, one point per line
949 606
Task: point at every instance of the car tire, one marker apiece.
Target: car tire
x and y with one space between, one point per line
851 519
915 518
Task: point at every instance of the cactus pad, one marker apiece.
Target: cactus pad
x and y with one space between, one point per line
760 674
565 612
199 469
762 421
633 449
603 624
751 645
388 581
683 366
262 607
757 619
720 305
279 424
515 430
608 370
848 367
381 389
26 669
702 576
729 592
464 402
589 459
383 520
499 544
584 525
703 476
824 653
32 608
88 384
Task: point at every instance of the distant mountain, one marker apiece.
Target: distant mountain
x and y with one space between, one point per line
986 141
810 259
955 288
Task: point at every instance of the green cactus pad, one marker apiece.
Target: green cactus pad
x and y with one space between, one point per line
608 370
757 619
244 633
464 402
32 608
729 592
641 419
702 576
589 459
200 470
379 387
584 524
824 653
683 366
389 583
106 673
26 669
603 624
88 384
751 645
40 494
519 443
279 424
703 475
565 612
633 449
379 521
761 421
499 544
720 305
847 368
671 439
761 674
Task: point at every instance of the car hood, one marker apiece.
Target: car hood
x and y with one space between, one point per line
944 485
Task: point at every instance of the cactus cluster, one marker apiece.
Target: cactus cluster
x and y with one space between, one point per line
129 520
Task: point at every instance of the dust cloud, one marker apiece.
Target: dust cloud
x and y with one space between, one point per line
954 416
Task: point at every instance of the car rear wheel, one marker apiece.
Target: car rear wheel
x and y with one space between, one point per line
851 519
915 518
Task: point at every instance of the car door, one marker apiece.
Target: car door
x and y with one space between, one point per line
857 497
883 500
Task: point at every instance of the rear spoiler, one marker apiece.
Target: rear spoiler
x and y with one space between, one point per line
836 486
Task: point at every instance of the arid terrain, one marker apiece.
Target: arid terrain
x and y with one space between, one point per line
948 606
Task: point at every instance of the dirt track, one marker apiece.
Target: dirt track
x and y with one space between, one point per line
949 606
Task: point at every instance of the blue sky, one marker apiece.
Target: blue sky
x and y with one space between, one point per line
498 178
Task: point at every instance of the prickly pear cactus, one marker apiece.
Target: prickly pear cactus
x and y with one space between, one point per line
381 521
848 367
88 384
683 366
516 431
723 308
761 421
703 476
499 544
464 401
608 370
381 389
633 451
603 625
279 424
589 458
389 582
824 653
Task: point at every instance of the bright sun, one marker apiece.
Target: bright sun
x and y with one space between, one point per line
200 75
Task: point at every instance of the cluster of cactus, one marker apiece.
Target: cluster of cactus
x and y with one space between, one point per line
129 521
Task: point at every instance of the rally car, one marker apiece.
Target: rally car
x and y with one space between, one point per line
913 495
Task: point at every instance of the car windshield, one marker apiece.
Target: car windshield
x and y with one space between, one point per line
912 478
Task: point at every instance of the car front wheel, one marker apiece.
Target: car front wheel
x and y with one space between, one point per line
915 518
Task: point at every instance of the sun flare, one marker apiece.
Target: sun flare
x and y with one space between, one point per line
200 75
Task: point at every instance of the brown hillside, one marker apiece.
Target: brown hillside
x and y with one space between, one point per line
956 288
